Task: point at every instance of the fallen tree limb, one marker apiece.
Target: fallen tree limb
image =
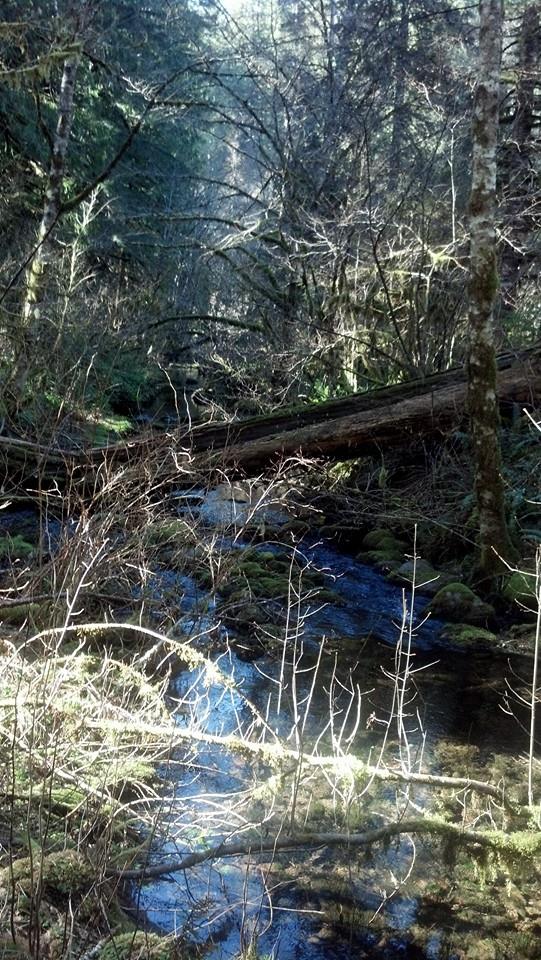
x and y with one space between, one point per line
346 766
512 845
184 651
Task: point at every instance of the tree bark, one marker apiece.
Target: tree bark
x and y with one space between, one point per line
53 197
495 545
519 253
399 121
512 844
395 424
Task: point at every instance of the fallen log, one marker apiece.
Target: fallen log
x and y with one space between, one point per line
340 429
398 420
218 435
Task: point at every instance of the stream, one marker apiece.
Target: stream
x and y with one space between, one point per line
330 689
331 686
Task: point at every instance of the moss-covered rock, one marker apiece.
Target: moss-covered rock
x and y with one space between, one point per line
140 946
63 872
427 580
246 614
456 602
267 576
467 635
374 539
384 560
382 549
520 588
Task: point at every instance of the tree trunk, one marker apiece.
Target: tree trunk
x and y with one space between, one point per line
494 542
342 429
53 197
399 120
519 254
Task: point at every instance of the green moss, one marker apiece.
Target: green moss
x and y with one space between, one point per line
383 549
270 587
392 544
140 946
107 428
15 548
67 797
427 580
457 759
247 613
329 596
389 558
264 575
458 589
520 588
380 538
167 531
467 635
64 872
459 603
21 612
251 570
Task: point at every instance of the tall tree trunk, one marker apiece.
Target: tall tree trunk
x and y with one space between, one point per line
519 255
53 197
399 120
494 540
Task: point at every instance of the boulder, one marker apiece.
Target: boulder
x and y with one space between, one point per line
382 549
427 580
467 636
375 539
520 588
456 602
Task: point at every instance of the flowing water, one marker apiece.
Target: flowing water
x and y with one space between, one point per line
339 663
331 688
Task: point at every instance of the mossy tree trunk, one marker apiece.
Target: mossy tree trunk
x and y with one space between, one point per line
53 197
33 308
494 541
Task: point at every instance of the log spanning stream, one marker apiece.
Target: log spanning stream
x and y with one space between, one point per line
318 904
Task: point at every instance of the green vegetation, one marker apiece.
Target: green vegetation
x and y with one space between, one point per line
468 636
520 588
140 946
15 548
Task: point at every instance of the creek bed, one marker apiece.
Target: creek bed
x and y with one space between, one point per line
320 904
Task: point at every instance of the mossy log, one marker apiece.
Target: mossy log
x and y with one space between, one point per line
339 429
505 847
366 423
